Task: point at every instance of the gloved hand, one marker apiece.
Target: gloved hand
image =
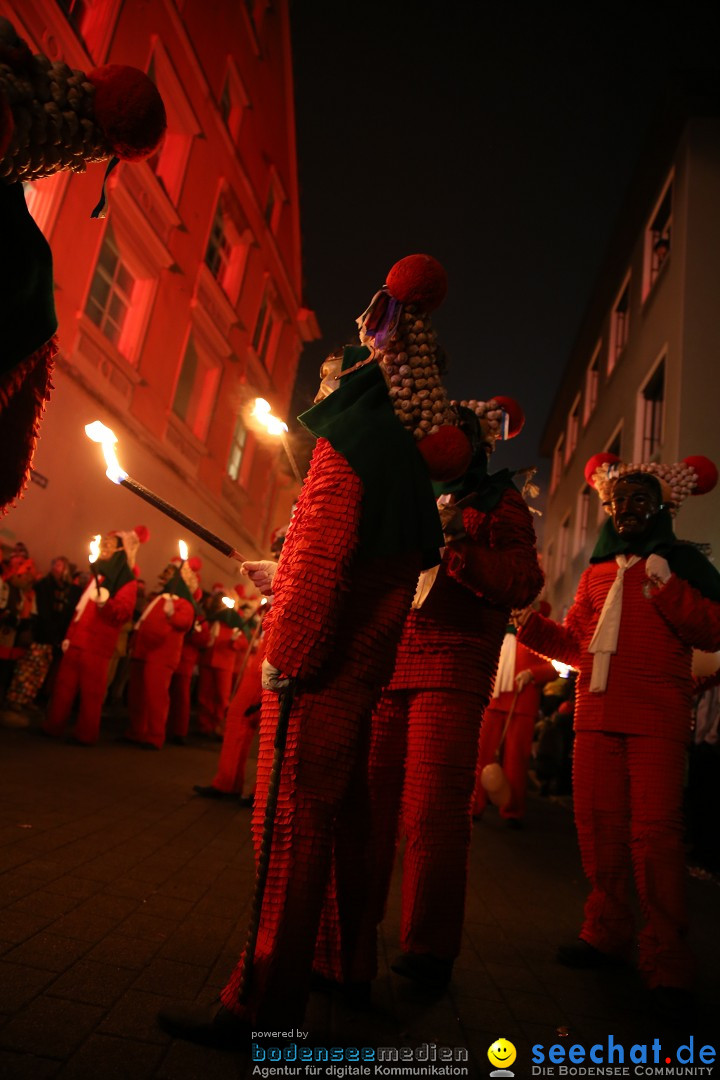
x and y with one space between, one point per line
100 596
272 679
261 574
523 678
169 606
65 644
235 634
657 568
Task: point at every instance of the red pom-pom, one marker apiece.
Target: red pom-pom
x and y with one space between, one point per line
142 532
447 453
706 472
595 462
566 708
218 587
516 417
129 110
418 279
544 609
195 563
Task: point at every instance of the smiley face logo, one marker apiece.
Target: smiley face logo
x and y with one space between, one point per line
502 1053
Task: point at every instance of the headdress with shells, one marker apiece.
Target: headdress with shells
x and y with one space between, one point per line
503 416
692 476
397 327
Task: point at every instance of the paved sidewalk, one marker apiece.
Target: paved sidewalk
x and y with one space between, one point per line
122 892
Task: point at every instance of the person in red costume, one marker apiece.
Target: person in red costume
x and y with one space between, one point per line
194 641
243 721
155 654
105 606
226 639
520 677
364 526
645 600
425 730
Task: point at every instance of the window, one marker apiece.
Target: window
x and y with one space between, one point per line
652 412
557 465
582 518
619 326
196 390
592 384
573 428
563 545
228 247
274 202
658 238
111 292
169 163
233 101
266 325
93 21
237 448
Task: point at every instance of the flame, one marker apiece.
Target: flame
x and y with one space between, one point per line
99 433
562 669
263 602
262 411
228 602
183 549
94 548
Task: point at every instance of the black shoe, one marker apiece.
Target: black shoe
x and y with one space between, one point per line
212 1026
210 792
513 823
673 1004
433 972
581 954
177 740
149 746
127 740
73 741
247 800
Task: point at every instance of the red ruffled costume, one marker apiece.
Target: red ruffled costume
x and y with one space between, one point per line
628 761
425 729
240 729
334 626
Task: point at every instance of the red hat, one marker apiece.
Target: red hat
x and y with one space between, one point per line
694 475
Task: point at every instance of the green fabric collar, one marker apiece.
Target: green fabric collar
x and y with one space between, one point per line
115 571
399 510
683 558
488 489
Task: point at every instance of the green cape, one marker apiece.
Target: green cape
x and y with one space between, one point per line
116 571
399 511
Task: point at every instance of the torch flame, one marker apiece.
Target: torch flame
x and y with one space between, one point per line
562 669
94 548
183 549
263 602
99 433
228 602
262 411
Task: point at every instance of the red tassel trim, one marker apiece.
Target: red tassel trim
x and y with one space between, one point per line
23 393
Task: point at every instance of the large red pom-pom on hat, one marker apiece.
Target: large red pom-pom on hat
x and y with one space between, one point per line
129 110
695 475
447 453
706 472
418 279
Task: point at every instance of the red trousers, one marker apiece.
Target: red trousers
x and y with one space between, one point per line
628 812
214 689
434 734
514 759
85 673
240 729
149 701
179 711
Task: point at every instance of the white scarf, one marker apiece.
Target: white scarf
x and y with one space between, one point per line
505 678
605 639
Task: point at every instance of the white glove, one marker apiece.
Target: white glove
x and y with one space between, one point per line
65 645
235 633
100 596
523 678
169 606
656 567
261 574
272 679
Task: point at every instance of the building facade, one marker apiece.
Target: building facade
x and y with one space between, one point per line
184 304
641 379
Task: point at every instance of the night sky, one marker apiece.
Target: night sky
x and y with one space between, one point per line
499 138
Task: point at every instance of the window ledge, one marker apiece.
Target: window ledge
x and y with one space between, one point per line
213 313
96 350
179 435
